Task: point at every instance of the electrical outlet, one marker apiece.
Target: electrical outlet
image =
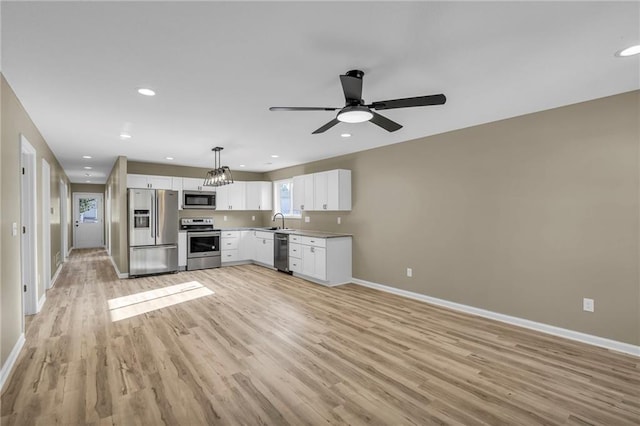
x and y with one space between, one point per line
224 218
339 220
253 218
14 229
588 305
307 219
409 272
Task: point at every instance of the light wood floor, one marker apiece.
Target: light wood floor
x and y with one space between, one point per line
267 348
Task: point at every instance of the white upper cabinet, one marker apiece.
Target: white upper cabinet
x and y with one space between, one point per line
231 197
258 195
332 190
196 184
176 185
303 192
148 181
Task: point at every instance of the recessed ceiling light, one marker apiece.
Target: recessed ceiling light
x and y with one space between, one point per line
87 167
87 156
242 165
146 91
275 156
88 181
125 136
346 135
629 51
168 158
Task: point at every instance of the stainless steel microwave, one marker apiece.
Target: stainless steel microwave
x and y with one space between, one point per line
198 200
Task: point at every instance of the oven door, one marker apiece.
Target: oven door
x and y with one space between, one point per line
203 244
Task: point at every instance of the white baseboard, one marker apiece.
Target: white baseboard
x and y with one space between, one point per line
41 302
55 276
11 360
118 273
521 322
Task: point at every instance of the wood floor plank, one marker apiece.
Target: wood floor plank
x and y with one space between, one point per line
268 348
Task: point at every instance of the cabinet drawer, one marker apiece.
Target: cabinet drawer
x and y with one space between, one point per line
295 265
229 244
230 234
295 250
294 238
311 241
229 256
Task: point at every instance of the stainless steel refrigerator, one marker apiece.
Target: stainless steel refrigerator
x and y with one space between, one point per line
153 231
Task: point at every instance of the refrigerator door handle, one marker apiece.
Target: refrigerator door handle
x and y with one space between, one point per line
154 213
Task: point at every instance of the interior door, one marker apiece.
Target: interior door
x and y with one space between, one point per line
88 221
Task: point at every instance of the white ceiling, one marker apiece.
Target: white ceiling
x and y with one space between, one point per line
218 66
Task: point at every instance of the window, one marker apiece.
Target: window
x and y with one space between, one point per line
283 198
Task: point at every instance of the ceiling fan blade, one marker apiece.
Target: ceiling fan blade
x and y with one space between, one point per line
302 109
326 126
352 85
410 102
384 122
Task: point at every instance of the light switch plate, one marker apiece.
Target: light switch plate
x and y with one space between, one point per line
588 305
339 220
307 219
224 218
14 229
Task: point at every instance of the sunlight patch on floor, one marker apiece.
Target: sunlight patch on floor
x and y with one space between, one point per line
139 303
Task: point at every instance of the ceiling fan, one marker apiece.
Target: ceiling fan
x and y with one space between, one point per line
355 110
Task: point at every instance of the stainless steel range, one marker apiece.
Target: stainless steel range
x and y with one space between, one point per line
203 243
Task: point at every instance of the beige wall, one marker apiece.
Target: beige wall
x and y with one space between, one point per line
524 217
15 121
117 181
88 187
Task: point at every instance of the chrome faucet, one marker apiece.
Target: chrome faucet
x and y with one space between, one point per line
274 218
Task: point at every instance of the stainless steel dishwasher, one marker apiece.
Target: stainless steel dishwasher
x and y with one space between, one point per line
281 252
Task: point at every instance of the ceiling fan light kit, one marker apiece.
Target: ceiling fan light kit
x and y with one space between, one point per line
355 110
220 175
354 114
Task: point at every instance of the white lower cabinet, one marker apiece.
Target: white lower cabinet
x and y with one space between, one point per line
322 260
246 251
229 242
314 262
264 247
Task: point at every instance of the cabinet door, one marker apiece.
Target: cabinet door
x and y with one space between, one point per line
191 184
320 265
303 192
236 197
176 185
314 262
253 195
159 182
137 181
308 261
259 195
321 188
246 246
298 193
266 196
222 198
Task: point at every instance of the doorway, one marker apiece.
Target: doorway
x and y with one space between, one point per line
28 248
88 230
46 224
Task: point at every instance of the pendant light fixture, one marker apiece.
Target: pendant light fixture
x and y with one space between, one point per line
220 175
